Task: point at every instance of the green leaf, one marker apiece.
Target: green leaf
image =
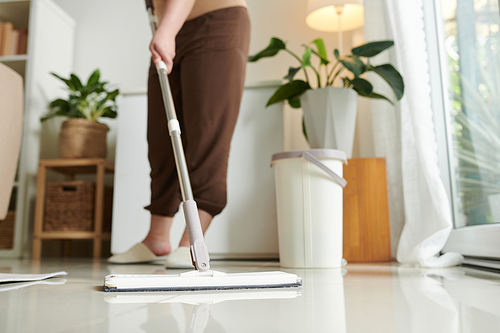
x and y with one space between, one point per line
96 88
320 45
352 63
336 54
304 131
362 86
75 113
306 57
392 76
372 49
76 82
291 73
109 112
288 90
378 96
94 78
59 104
52 115
70 84
294 102
101 103
112 95
275 45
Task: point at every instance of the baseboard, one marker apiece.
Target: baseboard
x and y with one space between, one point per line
245 256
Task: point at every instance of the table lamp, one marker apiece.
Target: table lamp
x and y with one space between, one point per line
335 15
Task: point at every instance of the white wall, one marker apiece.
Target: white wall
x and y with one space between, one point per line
114 35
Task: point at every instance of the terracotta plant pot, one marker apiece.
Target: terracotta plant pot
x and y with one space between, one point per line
82 138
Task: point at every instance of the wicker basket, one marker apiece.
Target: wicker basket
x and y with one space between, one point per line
7 231
69 206
81 138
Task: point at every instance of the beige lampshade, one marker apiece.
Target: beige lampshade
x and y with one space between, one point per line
322 15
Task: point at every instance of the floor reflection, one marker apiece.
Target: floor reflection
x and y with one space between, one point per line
191 311
449 300
366 298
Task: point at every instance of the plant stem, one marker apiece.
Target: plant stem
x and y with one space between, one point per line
326 75
299 60
331 72
307 77
337 74
294 55
317 76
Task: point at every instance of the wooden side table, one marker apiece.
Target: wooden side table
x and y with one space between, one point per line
71 167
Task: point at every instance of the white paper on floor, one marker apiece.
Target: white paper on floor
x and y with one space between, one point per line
9 277
8 286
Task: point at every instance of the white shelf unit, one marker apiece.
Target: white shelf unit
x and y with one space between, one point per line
50 49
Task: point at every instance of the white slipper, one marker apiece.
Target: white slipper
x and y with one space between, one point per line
139 253
180 258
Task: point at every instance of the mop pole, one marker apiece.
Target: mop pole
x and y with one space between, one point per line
199 252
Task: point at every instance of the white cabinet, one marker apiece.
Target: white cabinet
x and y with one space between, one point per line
50 49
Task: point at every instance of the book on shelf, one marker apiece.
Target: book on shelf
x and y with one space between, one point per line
12 41
22 46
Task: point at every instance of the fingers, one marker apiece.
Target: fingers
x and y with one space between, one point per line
158 55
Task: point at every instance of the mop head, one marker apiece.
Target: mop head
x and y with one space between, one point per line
195 280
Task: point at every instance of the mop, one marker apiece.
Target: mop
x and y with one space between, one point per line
202 278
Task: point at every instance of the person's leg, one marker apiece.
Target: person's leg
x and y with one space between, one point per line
212 80
207 106
158 238
165 196
163 173
205 219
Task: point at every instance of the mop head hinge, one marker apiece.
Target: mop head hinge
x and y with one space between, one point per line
203 274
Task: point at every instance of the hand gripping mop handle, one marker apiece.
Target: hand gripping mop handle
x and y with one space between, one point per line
199 252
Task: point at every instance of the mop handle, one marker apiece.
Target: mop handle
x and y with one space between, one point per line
199 251
153 20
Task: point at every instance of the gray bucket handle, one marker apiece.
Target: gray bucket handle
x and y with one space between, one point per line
311 158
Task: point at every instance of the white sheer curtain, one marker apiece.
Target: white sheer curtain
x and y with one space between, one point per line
419 208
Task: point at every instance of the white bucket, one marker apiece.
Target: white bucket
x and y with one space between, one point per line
309 188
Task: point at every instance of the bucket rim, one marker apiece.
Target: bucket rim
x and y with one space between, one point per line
318 153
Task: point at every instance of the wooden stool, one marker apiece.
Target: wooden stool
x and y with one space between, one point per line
71 167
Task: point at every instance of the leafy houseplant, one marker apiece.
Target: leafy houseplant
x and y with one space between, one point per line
330 112
82 136
90 101
353 63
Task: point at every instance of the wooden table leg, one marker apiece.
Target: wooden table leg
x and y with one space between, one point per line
99 203
66 248
38 221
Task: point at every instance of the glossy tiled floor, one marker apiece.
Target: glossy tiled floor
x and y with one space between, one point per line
360 298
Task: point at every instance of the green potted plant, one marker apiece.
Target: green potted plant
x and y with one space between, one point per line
82 136
329 111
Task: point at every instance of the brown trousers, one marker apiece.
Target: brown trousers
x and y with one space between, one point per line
207 82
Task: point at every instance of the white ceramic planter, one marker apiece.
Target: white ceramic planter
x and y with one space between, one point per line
330 117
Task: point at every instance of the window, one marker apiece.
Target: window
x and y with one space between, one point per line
471 72
463 41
